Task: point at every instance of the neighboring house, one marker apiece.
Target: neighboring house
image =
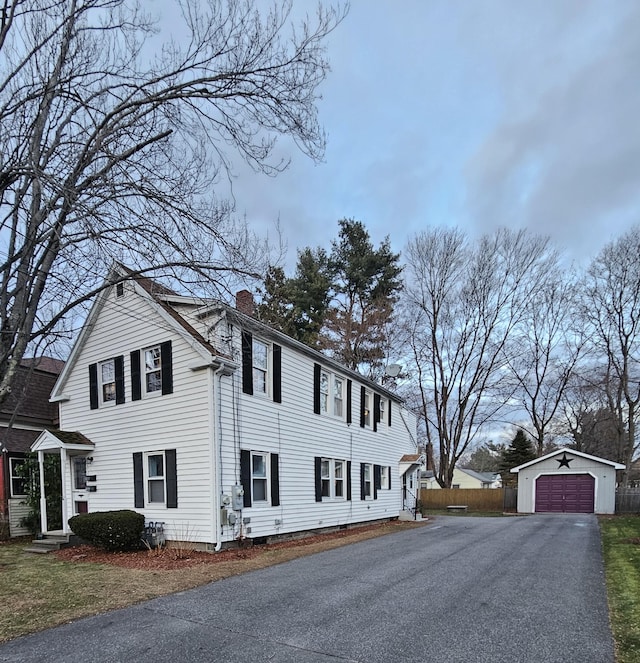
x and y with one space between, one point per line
567 481
428 479
23 416
464 478
198 416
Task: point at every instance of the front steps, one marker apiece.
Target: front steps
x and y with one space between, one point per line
49 542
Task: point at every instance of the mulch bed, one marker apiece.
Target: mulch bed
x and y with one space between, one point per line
167 559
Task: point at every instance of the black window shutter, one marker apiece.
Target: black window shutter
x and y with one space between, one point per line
389 408
247 364
119 371
138 481
377 480
245 475
277 373
316 388
93 386
362 397
136 385
349 417
318 477
349 480
166 366
362 493
389 471
376 411
172 478
275 481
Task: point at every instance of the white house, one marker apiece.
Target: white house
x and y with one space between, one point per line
463 477
198 416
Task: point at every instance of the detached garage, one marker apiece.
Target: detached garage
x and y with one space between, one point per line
567 481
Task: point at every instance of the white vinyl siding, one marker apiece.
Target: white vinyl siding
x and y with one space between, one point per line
184 420
181 420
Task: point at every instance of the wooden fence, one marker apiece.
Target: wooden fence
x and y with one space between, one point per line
628 500
477 499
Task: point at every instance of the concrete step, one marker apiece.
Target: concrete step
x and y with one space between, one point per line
48 543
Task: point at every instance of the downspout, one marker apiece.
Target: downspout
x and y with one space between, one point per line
215 447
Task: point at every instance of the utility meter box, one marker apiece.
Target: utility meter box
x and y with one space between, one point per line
237 498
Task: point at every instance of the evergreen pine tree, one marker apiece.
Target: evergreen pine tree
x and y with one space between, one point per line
520 451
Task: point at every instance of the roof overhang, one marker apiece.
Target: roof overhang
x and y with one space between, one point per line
411 464
573 452
50 441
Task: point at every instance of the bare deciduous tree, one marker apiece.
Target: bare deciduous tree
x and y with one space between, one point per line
112 140
462 305
612 311
543 352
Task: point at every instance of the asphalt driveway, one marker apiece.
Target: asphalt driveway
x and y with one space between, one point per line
518 589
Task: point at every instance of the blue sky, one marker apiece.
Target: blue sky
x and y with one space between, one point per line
469 113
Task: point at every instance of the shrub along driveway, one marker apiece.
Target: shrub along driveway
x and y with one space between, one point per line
463 589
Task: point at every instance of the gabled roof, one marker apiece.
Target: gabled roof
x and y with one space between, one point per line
484 477
28 401
162 299
59 439
573 452
154 293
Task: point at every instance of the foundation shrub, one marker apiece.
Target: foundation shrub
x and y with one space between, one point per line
111 530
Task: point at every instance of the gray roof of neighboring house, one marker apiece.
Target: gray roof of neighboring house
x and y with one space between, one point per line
484 477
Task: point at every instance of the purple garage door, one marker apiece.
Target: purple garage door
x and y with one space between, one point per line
565 493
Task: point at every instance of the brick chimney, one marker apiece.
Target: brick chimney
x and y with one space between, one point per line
244 302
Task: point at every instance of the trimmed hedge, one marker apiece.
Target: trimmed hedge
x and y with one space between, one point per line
111 530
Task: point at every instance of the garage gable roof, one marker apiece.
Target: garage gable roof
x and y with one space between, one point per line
573 452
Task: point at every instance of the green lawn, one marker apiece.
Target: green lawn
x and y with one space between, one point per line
621 548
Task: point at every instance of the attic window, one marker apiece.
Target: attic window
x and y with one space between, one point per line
120 289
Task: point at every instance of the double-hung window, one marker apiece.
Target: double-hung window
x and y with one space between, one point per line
107 378
324 392
338 396
384 477
338 479
367 409
260 354
155 478
330 396
153 370
18 481
259 488
367 481
332 477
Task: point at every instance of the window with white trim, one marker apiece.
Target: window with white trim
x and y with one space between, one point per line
18 482
367 408
153 370
367 479
107 381
338 396
331 394
383 411
384 477
260 359
324 392
332 477
259 477
156 478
